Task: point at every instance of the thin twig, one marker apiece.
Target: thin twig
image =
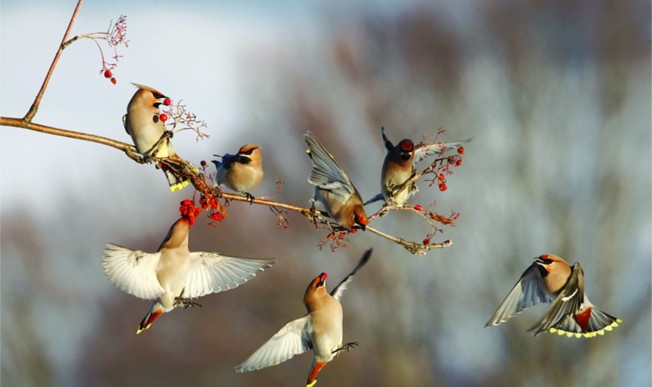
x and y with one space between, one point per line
21 123
37 101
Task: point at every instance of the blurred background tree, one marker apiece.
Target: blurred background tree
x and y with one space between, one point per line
556 93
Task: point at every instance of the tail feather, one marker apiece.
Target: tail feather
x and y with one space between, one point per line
597 323
176 184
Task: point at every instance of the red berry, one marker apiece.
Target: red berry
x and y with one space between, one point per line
442 177
426 241
114 81
458 162
417 207
460 150
167 102
108 74
163 117
443 187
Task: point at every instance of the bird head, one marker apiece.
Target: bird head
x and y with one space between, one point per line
321 280
406 147
360 217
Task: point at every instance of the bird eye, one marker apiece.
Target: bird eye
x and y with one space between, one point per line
155 118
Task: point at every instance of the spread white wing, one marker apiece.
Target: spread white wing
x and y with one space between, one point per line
293 339
213 273
132 271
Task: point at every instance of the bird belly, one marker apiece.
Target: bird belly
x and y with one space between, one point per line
327 333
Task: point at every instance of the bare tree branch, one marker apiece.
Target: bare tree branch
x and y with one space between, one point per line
37 101
186 170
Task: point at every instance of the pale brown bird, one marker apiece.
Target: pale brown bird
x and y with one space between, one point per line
333 188
174 275
144 124
319 330
400 165
551 279
241 172
397 169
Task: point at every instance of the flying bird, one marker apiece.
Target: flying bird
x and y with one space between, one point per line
333 188
241 172
173 275
551 279
144 124
319 330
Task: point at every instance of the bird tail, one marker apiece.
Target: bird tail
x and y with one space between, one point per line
176 184
588 322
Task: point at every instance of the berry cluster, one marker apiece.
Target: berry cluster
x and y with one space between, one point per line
217 213
188 210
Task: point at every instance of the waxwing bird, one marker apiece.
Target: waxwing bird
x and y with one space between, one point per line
319 330
142 122
400 165
333 188
241 172
551 279
173 275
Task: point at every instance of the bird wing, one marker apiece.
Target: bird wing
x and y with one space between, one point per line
435 149
213 273
341 287
528 291
293 339
568 301
388 144
326 173
132 271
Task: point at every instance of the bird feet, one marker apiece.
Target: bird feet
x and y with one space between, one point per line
346 347
185 302
249 197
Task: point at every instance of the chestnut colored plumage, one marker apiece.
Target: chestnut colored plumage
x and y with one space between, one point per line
174 275
146 129
551 279
241 172
333 188
319 330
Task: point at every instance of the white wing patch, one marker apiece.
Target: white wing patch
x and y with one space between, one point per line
213 273
132 271
435 149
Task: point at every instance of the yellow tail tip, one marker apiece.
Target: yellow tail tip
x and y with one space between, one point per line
312 384
179 186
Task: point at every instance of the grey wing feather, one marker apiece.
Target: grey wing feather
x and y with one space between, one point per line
325 173
341 287
568 301
528 291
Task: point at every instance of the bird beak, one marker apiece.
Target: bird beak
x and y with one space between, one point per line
322 279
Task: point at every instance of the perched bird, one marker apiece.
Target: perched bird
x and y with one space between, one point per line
400 165
333 188
173 275
551 279
143 123
319 330
241 172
